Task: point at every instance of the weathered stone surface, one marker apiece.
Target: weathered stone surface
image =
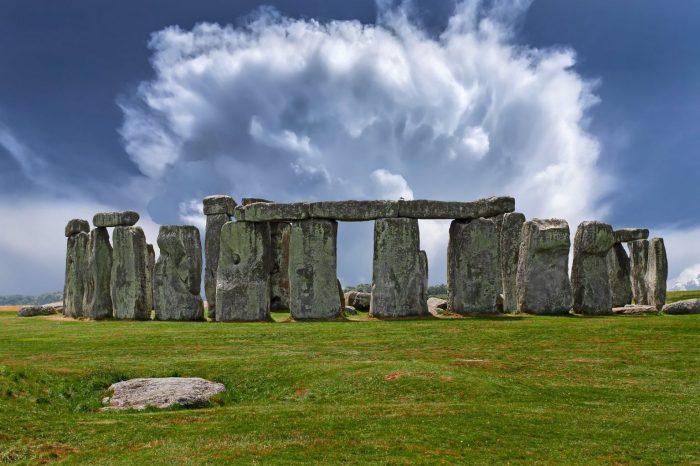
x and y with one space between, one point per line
657 273
243 277
212 239
634 310
350 311
341 296
510 249
362 301
279 267
354 210
164 392
219 205
252 200
76 270
115 219
687 306
624 235
313 288
40 310
398 275
97 302
488 207
270 212
75 226
436 305
619 276
639 258
131 287
590 282
473 267
178 274
543 264
151 265
423 256
350 298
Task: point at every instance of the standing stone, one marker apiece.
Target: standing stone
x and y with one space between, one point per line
279 268
473 267
151 267
510 249
542 281
398 270
131 288
657 273
639 256
619 276
313 288
76 268
589 274
218 210
424 269
76 226
243 278
178 274
97 303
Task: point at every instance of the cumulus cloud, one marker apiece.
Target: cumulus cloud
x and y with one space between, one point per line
293 109
683 256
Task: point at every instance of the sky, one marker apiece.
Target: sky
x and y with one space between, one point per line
580 110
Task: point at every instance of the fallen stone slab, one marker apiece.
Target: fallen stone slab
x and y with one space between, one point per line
489 207
271 212
75 226
625 235
190 392
687 306
635 310
354 210
116 219
219 204
40 310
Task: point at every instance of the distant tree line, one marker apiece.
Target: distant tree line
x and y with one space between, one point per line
367 288
43 298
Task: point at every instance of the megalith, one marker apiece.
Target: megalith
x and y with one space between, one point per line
657 273
218 210
151 266
243 278
131 287
639 256
398 270
510 250
474 267
590 282
76 267
313 288
178 274
97 303
279 265
619 276
127 218
542 281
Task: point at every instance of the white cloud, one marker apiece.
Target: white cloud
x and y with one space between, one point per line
390 186
683 256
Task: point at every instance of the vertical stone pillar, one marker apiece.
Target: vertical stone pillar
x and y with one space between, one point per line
218 210
510 250
619 276
589 274
542 281
151 269
639 256
313 287
76 267
178 274
132 291
398 270
243 278
657 273
98 299
474 267
279 265
424 271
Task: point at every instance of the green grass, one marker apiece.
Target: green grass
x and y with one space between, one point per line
673 296
548 390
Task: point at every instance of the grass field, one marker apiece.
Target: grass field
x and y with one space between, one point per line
553 390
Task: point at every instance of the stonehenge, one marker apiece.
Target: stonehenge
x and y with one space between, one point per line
589 274
97 301
218 210
76 267
619 265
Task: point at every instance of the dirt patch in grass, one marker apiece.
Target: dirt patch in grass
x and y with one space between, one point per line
11 308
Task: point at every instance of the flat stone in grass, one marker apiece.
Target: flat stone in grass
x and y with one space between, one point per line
687 306
40 310
635 310
190 392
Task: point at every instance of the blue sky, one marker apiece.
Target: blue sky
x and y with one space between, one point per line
580 109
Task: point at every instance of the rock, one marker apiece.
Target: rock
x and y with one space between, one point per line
473 267
634 310
97 301
164 392
362 301
271 212
590 283
639 257
625 235
75 226
151 266
657 273
178 274
687 306
279 267
243 278
218 205
350 311
354 210
76 274
510 249
619 276
398 275
253 200
423 257
40 310
436 305
341 295
350 298
542 281
313 287
488 207
212 239
115 219
131 286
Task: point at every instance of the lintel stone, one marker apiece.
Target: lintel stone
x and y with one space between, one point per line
625 235
115 219
354 210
